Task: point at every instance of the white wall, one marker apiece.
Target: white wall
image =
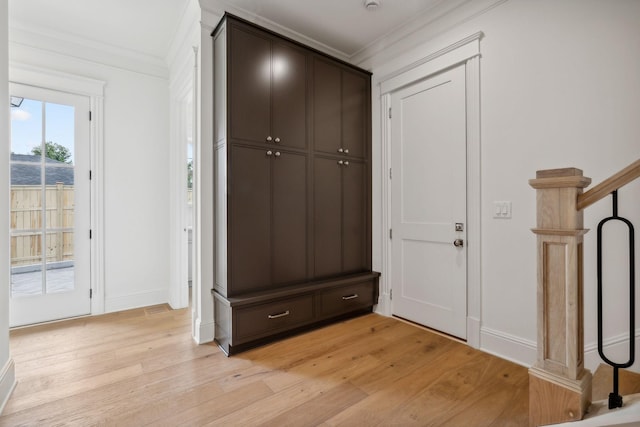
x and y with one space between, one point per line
7 372
136 178
559 88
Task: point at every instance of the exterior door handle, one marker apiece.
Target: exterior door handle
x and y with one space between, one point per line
458 243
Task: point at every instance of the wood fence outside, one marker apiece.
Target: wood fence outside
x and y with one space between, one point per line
27 222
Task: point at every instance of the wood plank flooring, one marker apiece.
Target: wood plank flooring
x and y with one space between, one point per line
141 367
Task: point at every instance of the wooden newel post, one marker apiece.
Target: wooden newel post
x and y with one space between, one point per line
559 386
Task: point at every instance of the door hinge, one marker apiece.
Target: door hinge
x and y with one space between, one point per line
390 174
391 233
89 115
90 234
389 112
391 294
90 293
89 174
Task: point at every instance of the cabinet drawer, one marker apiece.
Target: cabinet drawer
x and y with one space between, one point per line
273 317
346 298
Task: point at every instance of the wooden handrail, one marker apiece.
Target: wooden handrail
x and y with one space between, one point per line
609 185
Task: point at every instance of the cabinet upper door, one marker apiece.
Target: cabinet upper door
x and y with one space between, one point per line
340 109
354 112
289 96
249 242
249 79
327 110
267 89
289 217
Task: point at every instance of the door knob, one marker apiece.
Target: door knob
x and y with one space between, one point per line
458 243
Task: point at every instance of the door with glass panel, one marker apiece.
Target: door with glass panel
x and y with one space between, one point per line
50 205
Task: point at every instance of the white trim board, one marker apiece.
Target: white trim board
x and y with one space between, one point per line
7 383
509 347
467 51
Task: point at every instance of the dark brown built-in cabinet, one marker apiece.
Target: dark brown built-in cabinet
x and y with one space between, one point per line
293 187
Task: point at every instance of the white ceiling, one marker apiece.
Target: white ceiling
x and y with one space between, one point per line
144 26
148 26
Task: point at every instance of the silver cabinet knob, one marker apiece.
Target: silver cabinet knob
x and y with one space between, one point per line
458 243
340 162
277 154
269 153
269 139
276 140
346 151
346 162
340 150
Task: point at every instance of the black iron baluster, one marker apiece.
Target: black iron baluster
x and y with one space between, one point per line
615 400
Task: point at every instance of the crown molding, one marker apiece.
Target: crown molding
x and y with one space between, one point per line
444 16
72 46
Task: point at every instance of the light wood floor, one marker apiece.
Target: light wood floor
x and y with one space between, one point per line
141 367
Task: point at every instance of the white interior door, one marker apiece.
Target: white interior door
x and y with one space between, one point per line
50 205
428 140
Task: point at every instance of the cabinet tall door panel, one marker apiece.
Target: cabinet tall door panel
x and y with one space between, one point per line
250 85
249 220
354 214
327 217
289 218
354 119
289 105
327 108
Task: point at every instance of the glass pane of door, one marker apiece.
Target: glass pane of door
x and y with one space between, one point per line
27 218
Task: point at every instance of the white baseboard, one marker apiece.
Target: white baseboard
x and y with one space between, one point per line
142 299
203 332
473 332
615 348
509 347
383 307
7 382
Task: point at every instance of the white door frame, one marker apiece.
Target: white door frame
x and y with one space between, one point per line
467 52
94 90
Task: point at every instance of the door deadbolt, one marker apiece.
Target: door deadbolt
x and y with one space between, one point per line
459 226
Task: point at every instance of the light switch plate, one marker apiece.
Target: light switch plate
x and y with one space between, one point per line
502 209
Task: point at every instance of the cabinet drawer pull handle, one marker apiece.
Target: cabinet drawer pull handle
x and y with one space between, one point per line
346 151
277 154
275 316
346 162
276 140
354 296
269 139
340 162
269 153
340 150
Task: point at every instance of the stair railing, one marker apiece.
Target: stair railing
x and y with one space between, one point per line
559 385
615 399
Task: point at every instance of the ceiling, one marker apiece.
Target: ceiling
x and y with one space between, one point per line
148 26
